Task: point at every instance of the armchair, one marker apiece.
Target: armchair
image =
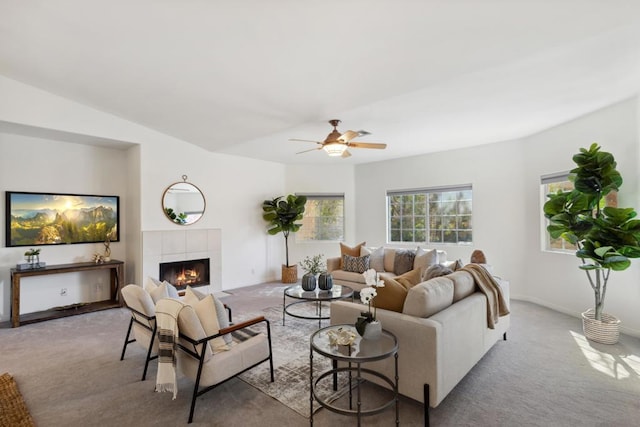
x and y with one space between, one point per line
143 322
205 364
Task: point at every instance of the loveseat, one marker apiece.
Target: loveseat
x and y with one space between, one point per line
444 327
386 260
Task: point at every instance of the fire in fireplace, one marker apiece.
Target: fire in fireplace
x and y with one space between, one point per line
186 273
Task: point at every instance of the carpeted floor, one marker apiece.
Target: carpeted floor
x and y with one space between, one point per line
545 374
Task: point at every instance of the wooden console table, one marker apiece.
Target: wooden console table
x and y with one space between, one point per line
117 276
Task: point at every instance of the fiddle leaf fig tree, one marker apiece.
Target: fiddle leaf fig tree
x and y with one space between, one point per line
281 214
606 237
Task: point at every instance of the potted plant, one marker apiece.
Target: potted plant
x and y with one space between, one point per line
313 266
606 237
281 214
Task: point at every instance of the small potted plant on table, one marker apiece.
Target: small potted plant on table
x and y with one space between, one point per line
313 266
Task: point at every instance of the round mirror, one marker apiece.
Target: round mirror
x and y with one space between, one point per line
183 203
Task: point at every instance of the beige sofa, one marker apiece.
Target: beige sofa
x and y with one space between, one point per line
442 331
383 259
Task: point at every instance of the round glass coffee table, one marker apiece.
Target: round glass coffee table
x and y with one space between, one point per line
355 355
316 296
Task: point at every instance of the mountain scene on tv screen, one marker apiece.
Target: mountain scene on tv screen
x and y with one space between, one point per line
48 226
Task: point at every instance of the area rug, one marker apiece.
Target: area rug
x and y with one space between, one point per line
13 409
290 344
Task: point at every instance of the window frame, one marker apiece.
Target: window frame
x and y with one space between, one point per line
545 238
319 196
427 192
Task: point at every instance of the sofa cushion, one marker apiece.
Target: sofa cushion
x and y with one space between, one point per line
424 259
463 284
428 298
348 276
351 251
358 264
376 257
391 296
403 261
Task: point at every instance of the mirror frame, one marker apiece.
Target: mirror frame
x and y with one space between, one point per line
174 220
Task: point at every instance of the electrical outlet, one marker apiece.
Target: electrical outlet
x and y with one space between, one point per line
63 292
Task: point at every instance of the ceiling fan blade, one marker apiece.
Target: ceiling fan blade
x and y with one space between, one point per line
304 140
312 149
367 145
345 154
348 136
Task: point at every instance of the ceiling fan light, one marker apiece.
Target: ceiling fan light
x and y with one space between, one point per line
334 149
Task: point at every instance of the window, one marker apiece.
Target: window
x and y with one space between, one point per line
323 218
433 215
551 184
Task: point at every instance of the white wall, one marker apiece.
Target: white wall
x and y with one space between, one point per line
39 165
507 207
553 279
234 187
494 171
319 179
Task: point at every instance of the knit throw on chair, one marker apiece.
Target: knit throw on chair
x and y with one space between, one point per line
167 311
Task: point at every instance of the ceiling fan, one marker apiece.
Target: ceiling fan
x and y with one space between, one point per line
336 143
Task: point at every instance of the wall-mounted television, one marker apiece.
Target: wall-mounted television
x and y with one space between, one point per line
34 219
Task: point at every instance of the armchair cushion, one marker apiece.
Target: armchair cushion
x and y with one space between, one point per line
159 290
212 315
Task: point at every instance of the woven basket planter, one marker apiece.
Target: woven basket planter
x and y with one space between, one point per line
605 331
289 273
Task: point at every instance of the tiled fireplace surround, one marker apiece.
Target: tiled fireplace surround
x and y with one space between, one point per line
181 245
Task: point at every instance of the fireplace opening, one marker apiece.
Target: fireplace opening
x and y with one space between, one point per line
181 274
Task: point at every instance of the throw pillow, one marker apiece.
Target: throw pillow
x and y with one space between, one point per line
193 296
376 257
425 259
206 311
163 290
358 264
403 261
453 265
351 251
436 271
391 296
410 278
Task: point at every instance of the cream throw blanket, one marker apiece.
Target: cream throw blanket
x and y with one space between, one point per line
167 311
496 304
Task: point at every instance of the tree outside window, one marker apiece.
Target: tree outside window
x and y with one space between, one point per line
323 218
431 215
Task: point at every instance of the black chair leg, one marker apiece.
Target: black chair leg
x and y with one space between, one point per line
504 336
426 405
126 339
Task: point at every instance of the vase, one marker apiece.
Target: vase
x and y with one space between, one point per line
605 331
309 282
325 281
368 328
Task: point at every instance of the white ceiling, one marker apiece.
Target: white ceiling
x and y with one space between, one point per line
241 77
